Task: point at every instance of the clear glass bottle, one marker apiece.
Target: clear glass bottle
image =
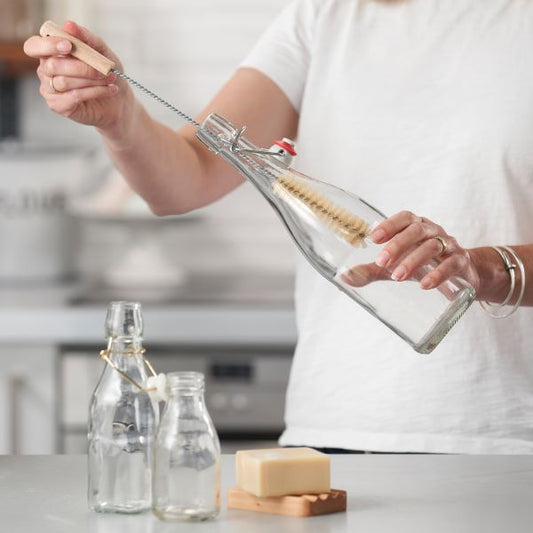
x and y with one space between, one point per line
332 229
186 477
122 419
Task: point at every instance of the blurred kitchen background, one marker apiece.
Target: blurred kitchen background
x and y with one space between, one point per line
216 285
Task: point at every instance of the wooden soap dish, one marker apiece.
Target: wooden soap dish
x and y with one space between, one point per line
333 501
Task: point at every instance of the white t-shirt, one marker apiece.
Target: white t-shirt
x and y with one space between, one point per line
425 105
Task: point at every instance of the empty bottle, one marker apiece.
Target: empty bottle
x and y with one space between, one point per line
331 227
186 478
122 419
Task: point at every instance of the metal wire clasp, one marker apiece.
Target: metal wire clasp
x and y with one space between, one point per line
104 354
236 149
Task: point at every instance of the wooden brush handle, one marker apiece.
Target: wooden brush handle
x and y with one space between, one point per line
79 50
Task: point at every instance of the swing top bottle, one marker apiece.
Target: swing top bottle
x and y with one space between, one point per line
122 420
331 227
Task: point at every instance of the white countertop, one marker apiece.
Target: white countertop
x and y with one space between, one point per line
47 315
162 325
400 493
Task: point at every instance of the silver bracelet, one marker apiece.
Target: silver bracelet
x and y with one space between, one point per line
520 264
510 268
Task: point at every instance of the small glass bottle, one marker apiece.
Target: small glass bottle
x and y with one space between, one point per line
331 227
122 419
186 477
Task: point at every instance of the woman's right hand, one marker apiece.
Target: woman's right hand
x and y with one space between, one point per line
76 90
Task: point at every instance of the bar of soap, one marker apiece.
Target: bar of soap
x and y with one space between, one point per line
282 471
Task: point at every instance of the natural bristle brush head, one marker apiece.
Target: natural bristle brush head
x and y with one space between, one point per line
347 225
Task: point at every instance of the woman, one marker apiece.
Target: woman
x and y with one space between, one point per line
421 105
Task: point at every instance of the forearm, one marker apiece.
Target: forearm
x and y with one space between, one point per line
494 280
170 169
173 171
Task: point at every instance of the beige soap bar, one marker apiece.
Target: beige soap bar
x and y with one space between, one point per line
282 471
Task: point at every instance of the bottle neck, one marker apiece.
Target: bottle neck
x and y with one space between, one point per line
124 354
185 405
190 399
186 391
225 140
124 346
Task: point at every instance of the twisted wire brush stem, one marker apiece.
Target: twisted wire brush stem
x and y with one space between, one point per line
168 105
349 226
183 115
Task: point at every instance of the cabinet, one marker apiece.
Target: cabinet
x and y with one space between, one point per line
13 61
13 64
27 399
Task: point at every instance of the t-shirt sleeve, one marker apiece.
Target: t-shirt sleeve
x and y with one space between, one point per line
283 52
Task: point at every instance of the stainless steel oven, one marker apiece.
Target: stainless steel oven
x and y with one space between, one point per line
245 390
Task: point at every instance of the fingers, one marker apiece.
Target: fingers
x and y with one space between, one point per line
54 49
72 68
62 84
414 248
393 225
413 242
72 84
38 47
67 103
42 47
72 88
404 233
420 255
361 275
449 267
67 82
60 73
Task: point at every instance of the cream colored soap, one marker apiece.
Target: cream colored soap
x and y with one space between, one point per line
282 471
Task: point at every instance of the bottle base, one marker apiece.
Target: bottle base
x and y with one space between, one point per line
120 509
441 328
184 514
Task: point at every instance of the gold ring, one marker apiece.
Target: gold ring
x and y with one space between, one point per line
443 244
51 83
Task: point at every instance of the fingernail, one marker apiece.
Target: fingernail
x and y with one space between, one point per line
399 273
378 235
427 283
64 46
383 258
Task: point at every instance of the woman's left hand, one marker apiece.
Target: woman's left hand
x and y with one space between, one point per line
412 241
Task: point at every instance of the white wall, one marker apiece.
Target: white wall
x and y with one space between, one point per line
183 50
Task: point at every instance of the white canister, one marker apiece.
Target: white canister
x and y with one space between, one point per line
36 232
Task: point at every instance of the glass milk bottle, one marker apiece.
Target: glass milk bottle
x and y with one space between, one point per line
122 419
186 477
332 227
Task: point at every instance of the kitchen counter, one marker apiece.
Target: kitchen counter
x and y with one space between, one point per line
211 312
176 324
400 493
